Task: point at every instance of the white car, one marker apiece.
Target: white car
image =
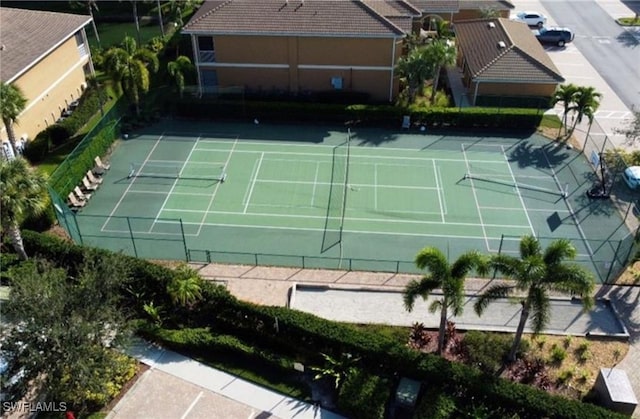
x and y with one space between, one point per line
631 176
536 19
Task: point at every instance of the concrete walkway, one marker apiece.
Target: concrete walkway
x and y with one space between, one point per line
267 402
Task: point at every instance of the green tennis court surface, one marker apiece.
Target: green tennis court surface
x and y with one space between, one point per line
305 196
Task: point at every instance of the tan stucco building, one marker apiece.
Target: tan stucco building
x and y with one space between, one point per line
47 56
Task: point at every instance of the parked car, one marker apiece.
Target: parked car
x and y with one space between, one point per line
531 18
631 176
557 36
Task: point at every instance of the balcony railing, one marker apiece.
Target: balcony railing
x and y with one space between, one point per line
207 56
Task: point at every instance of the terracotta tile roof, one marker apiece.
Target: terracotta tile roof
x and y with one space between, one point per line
436 6
400 13
26 35
348 18
479 4
522 59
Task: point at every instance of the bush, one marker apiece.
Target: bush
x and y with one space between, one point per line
435 405
488 351
558 354
38 148
363 395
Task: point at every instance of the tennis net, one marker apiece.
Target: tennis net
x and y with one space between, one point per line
557 192
177 171
336 206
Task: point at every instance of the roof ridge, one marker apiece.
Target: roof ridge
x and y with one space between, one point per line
378 16
495 60
537 62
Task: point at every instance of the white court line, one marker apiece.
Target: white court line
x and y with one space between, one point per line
375 187
528 209
130 185
359 156
175 182
524 207
176 162
475 197
323 217
358 185
215 191
566 201
444 200
253 184
315 184
192 405
253 175
435 174
175 193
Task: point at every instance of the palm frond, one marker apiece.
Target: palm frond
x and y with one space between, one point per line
529 246
433 260
558 251
415 289
491 294
466 263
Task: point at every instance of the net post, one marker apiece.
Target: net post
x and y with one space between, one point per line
184 240
133 241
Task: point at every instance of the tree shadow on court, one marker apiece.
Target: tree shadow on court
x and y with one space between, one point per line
548 156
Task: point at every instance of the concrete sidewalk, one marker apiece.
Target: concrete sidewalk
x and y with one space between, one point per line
189 371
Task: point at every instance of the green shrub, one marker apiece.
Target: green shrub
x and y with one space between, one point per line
363 395
487 351
435 405
38 148
558 354
565 376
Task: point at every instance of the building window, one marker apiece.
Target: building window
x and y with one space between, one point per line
206 49
336 82
82 48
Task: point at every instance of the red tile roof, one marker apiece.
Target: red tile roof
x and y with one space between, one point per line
521 59
27 35
347 18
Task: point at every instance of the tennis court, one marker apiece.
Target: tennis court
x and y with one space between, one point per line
367 199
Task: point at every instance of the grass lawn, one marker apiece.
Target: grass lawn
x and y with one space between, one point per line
113 33
629 21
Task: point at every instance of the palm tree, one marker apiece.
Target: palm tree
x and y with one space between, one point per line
414 69
564 94
160 18
12 104
536 272
94 83
89 5
23 193
185 288
177 69
129 67
448 278
440 53
585 103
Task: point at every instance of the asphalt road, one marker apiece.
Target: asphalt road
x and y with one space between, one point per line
613 51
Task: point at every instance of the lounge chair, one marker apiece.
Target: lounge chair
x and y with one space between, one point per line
93 179
88 185
76 203
406 122
101 165
83 196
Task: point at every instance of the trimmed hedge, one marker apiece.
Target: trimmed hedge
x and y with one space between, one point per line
364 395
306 335
376 115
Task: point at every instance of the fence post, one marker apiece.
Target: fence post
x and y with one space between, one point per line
184 241
75 220
495 271
133 241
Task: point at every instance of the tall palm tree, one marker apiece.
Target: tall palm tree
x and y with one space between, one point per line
448 278
23 193
94 83
177 69
414 69
160 18
585 103
129 66
535 273
564 94
440 53
89 5
12 103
